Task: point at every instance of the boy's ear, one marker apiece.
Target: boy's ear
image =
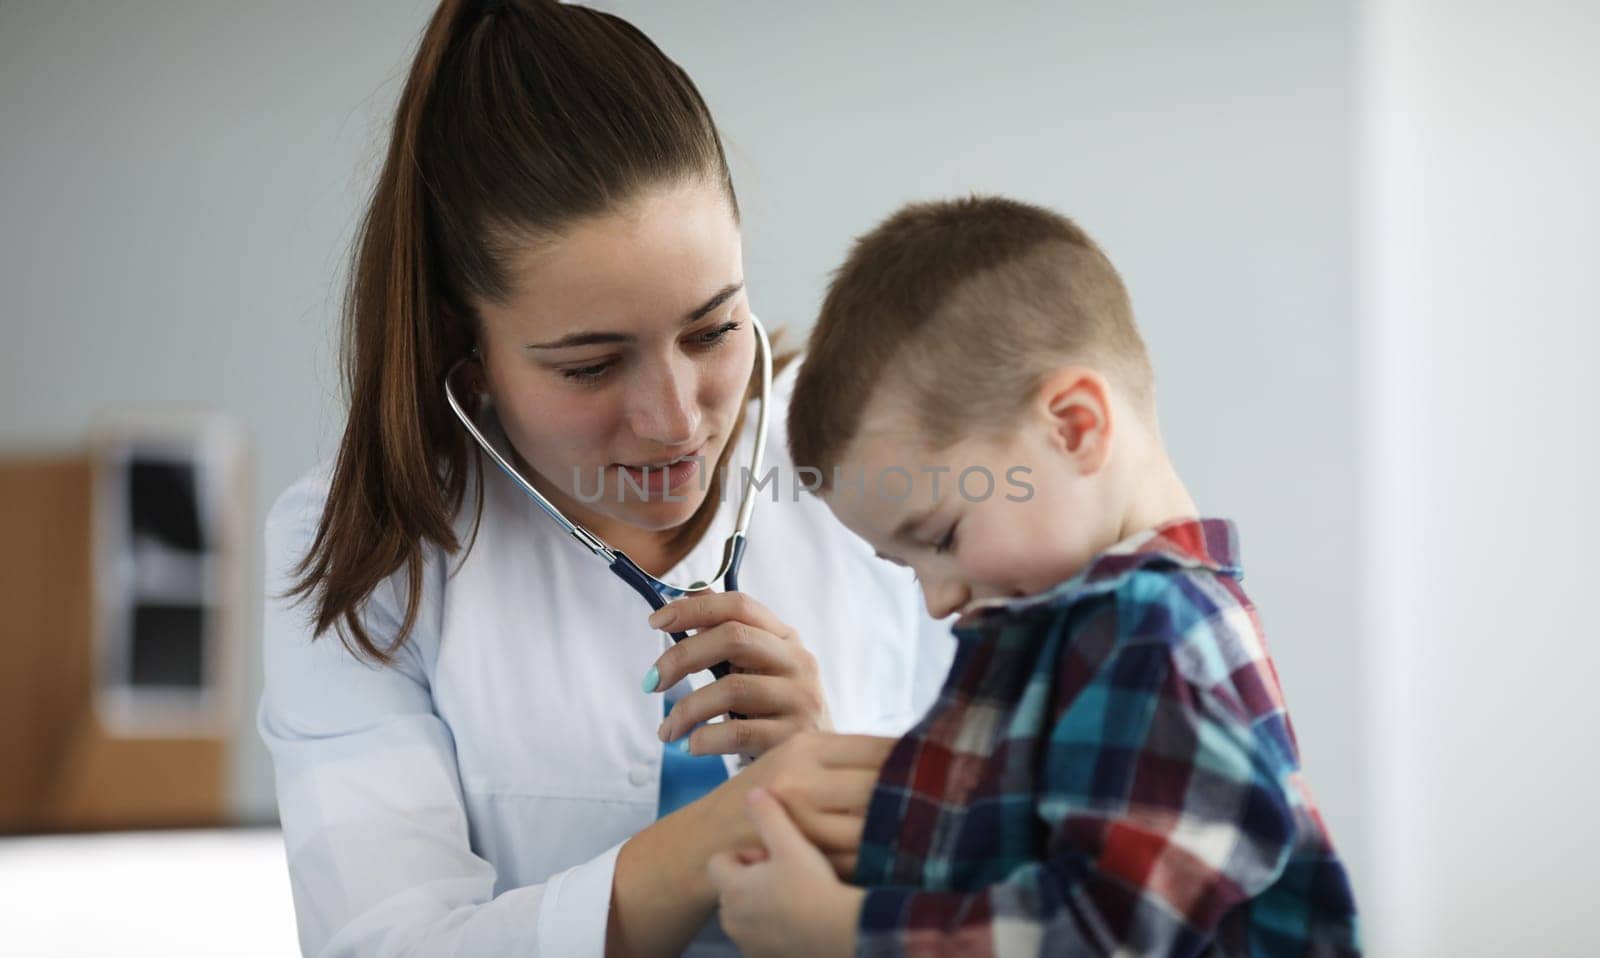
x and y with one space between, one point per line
1076 403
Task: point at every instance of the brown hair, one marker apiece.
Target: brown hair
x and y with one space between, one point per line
964 306
518 118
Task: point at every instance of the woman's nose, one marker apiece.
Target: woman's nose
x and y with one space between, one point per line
663 408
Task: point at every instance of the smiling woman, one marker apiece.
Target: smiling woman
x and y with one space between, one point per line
472 768
622 347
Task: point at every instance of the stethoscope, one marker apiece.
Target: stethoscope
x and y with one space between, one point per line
655 591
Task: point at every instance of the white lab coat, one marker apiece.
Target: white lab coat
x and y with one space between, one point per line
471 798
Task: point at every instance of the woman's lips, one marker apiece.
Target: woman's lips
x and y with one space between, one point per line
665 460
666 477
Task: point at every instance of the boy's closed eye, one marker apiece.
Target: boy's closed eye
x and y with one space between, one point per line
943 545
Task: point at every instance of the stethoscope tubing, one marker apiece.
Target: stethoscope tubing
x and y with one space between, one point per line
653 590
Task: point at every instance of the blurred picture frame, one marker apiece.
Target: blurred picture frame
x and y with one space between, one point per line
171 507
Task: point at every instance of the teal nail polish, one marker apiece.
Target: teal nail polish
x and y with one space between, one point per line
652 679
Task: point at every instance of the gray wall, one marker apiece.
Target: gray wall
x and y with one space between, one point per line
179 182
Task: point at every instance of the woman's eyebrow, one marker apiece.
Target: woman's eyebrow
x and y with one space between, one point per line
597 338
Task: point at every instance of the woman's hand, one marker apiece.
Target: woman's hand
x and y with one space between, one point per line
661 891
824 780
774 683
826 783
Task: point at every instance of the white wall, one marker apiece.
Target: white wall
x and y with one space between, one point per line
1480 234
178 181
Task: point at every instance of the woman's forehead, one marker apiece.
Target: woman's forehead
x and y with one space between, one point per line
647 263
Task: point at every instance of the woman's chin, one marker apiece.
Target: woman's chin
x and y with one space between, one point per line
660 515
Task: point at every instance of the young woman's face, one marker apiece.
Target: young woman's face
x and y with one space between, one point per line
625 346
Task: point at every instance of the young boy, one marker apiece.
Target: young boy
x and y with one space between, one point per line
1109 767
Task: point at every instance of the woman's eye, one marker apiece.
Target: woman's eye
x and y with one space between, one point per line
586 374
593 373
946 543
713 337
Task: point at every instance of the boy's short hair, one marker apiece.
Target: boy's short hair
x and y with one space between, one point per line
964 306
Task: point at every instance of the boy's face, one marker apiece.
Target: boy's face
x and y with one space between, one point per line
987 517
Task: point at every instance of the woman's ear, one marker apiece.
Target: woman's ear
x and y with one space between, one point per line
1076 405
474 374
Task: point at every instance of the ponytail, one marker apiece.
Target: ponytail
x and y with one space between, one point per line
517 118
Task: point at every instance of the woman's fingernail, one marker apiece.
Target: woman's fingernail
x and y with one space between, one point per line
652 679
661 733
663 617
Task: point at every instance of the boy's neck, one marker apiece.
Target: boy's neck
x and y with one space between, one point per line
1159 497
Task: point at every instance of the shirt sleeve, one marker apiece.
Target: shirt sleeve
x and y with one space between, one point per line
1163 810
380 860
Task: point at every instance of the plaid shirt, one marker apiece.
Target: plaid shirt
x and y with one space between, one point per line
1109 769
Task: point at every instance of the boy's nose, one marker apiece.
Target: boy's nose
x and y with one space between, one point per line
945 597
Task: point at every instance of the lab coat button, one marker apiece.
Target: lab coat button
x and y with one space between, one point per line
639 775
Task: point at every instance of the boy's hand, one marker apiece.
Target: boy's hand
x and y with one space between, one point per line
785 901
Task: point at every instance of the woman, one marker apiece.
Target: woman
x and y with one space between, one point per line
470 767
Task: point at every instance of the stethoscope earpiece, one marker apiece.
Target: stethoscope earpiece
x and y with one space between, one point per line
472 370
